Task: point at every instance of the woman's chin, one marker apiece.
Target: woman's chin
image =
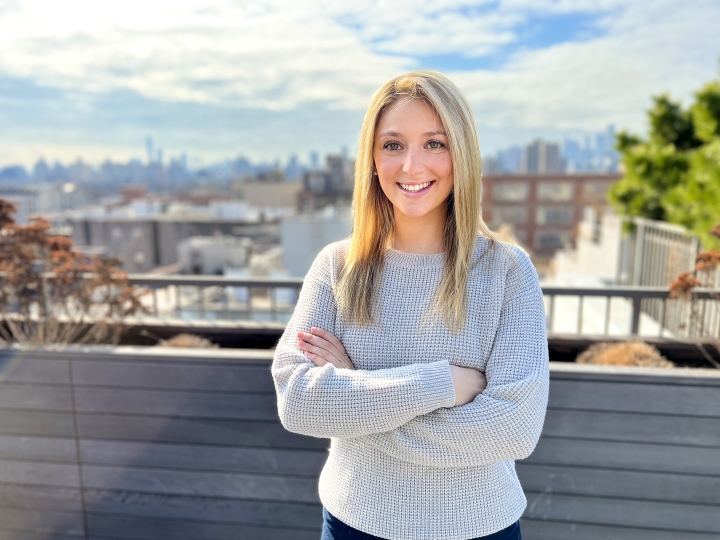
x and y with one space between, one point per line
414 213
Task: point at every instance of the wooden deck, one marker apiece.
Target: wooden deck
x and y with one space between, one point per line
136 443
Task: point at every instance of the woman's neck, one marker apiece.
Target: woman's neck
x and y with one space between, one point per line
419 234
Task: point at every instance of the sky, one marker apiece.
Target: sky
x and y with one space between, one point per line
268 78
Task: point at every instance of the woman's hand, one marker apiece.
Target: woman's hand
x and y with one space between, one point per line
321 347
469 383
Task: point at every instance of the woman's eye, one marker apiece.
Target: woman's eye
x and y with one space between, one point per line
392 146
434 145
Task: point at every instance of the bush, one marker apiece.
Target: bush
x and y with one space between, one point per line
51 293
188 340
632 353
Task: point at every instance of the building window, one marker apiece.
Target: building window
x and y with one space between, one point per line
554 215
555 191
116 239
510 191
595 190
137 238
509 214
551 239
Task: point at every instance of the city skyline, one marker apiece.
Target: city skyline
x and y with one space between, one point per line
585 152
275 77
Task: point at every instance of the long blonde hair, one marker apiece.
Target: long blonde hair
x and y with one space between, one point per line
356 288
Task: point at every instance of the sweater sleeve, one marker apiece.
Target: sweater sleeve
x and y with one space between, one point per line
334 402
504 421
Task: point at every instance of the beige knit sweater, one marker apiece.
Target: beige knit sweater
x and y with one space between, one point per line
404 463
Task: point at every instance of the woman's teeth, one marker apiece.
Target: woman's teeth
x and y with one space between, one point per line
415 187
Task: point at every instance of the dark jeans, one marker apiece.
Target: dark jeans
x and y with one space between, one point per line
334 529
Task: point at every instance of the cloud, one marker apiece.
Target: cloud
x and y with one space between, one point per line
650 49
288 58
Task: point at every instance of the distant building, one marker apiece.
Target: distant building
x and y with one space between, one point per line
330 186
264 195
144 234
543 209
213 254
541 157
303 236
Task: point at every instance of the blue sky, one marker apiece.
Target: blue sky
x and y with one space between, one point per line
265 79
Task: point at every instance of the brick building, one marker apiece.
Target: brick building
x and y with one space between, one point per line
544 209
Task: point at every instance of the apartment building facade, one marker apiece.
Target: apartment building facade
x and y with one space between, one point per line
543 209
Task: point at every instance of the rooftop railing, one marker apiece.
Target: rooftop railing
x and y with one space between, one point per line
606 311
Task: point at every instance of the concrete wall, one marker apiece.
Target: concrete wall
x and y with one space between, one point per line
186 444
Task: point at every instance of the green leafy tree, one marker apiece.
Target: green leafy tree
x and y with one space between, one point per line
674 174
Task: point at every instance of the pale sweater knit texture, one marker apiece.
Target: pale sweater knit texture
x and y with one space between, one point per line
404 463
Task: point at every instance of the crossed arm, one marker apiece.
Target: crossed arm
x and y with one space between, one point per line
408 412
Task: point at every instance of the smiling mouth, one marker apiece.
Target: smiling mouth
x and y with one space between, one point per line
416 188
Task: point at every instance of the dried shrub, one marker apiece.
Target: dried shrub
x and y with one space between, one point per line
631 353
683 285
50 293
188 340
707 261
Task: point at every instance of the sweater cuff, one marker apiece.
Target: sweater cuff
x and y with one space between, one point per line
437 388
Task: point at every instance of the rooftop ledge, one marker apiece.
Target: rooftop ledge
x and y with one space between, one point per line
178 354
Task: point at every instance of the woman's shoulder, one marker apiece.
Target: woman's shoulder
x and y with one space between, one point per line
328 262
509 260
499 254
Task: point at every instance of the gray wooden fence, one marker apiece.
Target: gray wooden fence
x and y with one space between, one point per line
148 443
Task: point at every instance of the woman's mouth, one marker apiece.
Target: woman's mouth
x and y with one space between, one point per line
416 189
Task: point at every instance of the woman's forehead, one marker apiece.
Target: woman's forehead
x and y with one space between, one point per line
409 114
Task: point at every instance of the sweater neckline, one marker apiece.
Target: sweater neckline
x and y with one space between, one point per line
393 257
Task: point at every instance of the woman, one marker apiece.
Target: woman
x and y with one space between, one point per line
418 345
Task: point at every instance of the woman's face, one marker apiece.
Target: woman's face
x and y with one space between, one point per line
412 159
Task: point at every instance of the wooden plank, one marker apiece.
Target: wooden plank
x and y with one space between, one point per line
40 498
157 375
206 484
628 397
626 455
202 431
108 526
655 486
219 510
42 521
32 396
22 368
21 535
40 448
623 512
201 457
177 403
39 473
48 424
638 375
532 529
261 357
663 429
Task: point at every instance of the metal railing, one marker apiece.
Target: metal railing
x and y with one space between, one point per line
219 297
263 299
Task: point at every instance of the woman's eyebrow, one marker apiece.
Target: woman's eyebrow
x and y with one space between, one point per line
390 134
397 134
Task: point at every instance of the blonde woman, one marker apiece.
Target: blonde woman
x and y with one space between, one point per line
418 345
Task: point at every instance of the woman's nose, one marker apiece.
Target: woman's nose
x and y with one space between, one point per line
413 164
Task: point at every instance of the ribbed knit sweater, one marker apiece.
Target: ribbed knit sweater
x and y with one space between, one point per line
404 463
